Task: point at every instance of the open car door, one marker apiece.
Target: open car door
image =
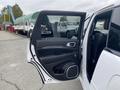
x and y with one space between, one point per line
55 45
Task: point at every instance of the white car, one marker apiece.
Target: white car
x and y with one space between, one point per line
93 56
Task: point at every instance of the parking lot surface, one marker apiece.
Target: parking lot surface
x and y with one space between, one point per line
16 73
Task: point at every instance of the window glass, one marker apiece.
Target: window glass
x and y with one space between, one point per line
114 34
61 26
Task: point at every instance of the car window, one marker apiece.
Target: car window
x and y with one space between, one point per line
61 26
114 34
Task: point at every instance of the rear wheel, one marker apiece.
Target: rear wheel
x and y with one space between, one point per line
29 33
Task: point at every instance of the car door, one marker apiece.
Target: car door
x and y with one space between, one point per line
107 72
55 45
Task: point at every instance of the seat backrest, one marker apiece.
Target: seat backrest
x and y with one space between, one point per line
99 43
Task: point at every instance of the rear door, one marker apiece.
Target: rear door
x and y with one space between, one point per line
55 45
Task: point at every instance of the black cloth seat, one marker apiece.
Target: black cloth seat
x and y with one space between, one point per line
99 43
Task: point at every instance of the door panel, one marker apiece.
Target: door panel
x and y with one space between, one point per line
56 39
55 46
56 56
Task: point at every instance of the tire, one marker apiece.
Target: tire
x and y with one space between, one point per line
29 33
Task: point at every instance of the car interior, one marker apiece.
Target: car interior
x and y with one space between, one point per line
97 40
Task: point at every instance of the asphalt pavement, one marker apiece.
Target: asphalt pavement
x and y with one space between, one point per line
16 73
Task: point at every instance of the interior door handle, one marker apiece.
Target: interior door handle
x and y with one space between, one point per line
71 44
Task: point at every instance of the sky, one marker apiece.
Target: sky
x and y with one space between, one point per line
30 6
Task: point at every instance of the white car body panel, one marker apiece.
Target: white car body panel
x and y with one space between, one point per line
114 83
29 27
85 82
107 73
19 27
24 28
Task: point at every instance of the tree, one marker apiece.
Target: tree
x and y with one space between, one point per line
1 19
5 15
17 11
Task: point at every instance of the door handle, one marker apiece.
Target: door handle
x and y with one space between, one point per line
71 44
